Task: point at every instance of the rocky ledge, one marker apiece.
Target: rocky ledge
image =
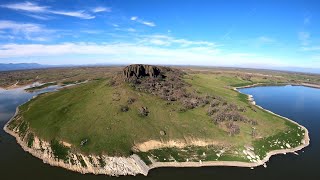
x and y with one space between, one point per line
143 70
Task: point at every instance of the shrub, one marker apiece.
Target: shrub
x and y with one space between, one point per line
190 103
212 110
231 107
143 111
182 109
242 109
254 132
112 82
233 128
102 163
116 97
253 122
124 108
82 162
214 103
131 100
229 116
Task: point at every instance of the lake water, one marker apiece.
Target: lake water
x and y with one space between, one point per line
301 104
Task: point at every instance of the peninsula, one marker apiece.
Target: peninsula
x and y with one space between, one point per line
146 116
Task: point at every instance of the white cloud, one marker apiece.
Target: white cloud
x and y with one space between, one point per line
261 41
125 29
311 48
160 42
131 30
28 31
88 31
316 57
123 49
133 18
10 37
101 9
78 14
26 6
19 27
265 39
304 37
134 53
35 8
141 21
306 21
169 40
148 23
40 17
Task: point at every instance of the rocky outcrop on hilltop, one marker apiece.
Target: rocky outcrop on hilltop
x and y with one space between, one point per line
161 81
164 82
143 70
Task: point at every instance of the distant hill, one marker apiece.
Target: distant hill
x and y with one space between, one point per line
21 66
302 70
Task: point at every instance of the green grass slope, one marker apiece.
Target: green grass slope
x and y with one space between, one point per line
91 111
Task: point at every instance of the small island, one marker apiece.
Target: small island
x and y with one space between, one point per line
146 116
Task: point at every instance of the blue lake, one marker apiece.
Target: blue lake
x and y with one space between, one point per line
301 104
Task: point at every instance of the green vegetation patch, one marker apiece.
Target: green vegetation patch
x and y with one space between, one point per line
82 162
102 163
59 150
283 140
30 139
23 127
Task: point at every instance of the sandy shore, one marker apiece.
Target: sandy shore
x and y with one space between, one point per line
134 165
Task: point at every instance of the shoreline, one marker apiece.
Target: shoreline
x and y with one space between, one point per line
138 166
238 163
316 86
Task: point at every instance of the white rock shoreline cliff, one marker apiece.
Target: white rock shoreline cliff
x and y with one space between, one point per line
133 165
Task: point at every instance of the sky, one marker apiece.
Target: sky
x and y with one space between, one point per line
255 33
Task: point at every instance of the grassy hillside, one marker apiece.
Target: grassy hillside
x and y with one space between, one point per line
92 112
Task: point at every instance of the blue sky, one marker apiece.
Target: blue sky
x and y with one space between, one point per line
274 33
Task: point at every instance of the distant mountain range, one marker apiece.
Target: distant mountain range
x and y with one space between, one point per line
24 66
21 66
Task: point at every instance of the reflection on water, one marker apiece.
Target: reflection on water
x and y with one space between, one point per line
298 103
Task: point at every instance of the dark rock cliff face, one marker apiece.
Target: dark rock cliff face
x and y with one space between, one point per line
142 70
